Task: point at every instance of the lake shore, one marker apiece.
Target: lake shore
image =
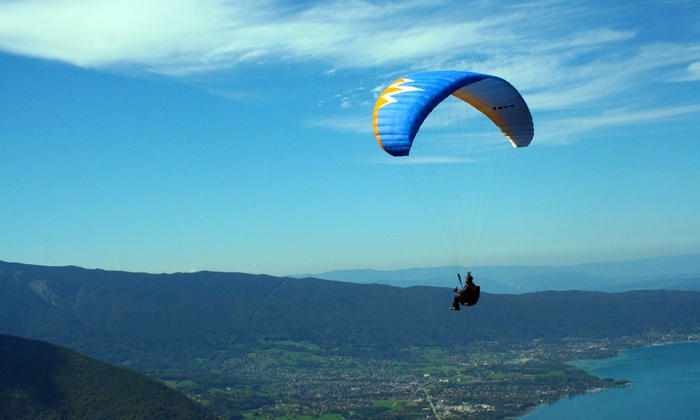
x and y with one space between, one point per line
621 362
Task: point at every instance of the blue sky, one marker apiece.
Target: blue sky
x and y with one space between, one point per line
184 135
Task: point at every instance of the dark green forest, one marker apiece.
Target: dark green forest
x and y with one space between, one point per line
163 321
41 380
247 343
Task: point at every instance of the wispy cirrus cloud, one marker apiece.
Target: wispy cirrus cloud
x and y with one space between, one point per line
566 56
692 72
183 36
97 34
565 130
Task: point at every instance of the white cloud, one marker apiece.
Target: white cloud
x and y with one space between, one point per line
196 35
561 55
182 36
109 32
562 130
357 125
693 71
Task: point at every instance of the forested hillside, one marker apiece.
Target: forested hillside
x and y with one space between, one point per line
40 380
161 321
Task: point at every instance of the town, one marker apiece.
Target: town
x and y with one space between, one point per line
486 380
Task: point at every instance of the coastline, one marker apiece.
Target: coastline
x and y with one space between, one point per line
622 357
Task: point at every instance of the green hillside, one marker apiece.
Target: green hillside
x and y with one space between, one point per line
278 347
41 380
167 321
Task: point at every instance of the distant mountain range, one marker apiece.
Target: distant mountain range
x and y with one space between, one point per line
161 321
191 326
663 273
39 380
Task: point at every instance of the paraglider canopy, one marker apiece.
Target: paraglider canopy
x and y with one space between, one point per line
462 124
404 105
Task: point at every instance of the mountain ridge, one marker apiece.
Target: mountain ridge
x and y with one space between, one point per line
164 320
42 380
204 331
681 272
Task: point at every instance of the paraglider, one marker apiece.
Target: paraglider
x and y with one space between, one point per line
399 116
468 295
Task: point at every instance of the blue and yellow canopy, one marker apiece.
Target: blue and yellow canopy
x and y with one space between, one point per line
404 105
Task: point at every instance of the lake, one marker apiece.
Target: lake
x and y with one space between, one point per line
665 384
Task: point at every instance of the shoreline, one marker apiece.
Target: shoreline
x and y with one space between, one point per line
585 364
592 366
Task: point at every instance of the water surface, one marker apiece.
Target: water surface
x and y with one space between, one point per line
665 384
